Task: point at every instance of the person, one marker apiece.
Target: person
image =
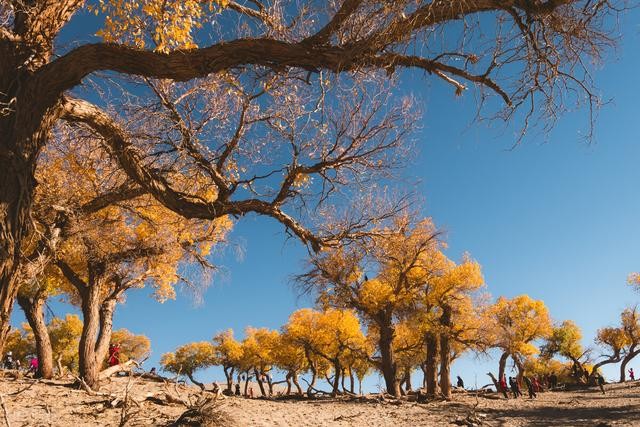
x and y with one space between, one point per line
251 392
515 389
600 380
153 371
8 360
632 375
536 385
529 384
237 390
460 383
33 365
553 381
114 354
503 386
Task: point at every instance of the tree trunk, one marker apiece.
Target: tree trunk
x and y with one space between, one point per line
314 372
287 379
17 185
259 381
336 379
106 328
228 373
430 368
520 366
387 360
196 382
88 362
502 364
294 378
246 384
623 366
351 382
445 353
34 312
407 380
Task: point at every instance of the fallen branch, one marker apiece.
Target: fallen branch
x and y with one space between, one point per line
123 367
4 410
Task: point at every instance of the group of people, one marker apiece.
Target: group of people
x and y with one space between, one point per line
534 385
11 363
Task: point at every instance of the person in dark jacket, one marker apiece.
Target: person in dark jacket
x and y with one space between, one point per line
460 383
530 389
515 389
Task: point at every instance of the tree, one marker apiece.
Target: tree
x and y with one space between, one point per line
148 244
63 335
65 339
294 43
630 323
259 347
188 359
228 354
451 291
613 340
517 323
405 256
132 346
413 275
331 335
290 358
566 340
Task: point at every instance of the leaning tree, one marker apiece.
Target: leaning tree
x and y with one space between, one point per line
310 56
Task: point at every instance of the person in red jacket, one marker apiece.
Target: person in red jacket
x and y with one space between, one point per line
114 354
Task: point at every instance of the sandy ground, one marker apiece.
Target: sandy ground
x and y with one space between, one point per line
57 403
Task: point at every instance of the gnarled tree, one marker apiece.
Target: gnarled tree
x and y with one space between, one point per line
534 56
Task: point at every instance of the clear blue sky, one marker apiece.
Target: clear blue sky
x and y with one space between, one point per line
554 218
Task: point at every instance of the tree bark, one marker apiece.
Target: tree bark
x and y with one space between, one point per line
407 380
623 366
88 363
34 312
352 382
296 383
228 373
502 364
259 381
337 367
445 353
387 360
430 369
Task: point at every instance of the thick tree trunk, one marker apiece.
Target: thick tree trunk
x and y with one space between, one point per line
259 381
430 368
88 363
106 329
16 192
336 379
228 373
520 366
445 353
623 366
34 312
94 340
352 382
502 364
387 359
288 381
407 380
294 378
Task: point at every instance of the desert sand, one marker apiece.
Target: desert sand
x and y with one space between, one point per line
29 402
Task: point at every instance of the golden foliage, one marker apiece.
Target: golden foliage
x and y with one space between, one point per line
132 346
517 322
166 24
189 358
